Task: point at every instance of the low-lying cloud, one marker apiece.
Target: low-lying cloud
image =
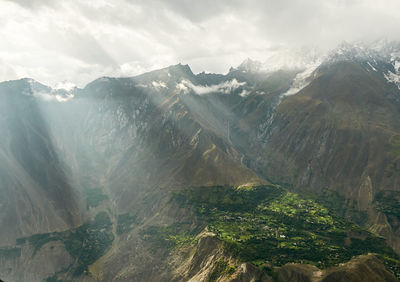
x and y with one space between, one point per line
225 87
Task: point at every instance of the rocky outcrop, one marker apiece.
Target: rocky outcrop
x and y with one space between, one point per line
363 268
359 269
298 273
204 264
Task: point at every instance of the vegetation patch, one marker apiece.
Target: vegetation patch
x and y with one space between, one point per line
85 244
279 227
221 268
37 240
337 203
94 197
175 235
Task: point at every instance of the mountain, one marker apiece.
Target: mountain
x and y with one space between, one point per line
285 173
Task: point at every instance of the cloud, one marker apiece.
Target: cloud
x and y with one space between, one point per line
79 41
61 93
225 87
159 84
302 79
33 4
64 85
51 97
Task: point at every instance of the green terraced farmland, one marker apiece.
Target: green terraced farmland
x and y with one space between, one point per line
274 227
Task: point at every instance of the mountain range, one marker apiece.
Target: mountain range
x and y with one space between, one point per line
275 171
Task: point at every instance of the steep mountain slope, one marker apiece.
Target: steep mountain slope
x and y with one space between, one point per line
36 194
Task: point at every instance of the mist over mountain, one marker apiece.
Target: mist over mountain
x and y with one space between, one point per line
286 169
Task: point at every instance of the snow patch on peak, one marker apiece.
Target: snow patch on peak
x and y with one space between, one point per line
394 77
250 65
355 52
372 67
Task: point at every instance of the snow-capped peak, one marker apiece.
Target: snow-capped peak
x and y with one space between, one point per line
250 65
353 52
283 59
293 59
379 56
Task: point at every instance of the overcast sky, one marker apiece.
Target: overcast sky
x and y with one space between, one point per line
78 40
